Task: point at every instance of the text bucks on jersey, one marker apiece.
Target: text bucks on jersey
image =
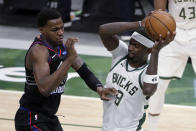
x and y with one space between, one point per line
126 80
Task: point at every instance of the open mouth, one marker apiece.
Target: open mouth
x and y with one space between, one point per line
60 39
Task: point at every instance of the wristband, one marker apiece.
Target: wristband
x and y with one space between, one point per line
151 79
90 79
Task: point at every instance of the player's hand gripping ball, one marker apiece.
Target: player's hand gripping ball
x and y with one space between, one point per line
159 22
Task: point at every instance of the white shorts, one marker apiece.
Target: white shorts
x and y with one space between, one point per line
173 58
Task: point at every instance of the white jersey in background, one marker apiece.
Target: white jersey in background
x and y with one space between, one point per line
184 44
184 12
173 57
125 112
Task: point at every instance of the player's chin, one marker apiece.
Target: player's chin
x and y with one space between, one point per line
130 55
59 41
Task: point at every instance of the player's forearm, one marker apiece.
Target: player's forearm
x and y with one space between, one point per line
149 85
117 27
85 73
89 78
51 82
153 65
160 4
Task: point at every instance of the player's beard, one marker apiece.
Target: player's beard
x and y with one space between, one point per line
132 59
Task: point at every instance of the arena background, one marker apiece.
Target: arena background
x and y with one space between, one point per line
81 109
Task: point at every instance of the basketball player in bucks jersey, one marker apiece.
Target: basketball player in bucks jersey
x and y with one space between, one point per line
46 64
173 58
131 74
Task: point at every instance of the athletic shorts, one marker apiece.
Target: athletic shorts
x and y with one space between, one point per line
26 120
173 57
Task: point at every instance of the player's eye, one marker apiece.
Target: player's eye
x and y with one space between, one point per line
54 29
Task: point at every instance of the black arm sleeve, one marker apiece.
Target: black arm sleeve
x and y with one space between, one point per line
89 77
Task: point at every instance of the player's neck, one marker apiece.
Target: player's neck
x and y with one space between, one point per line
53 45
136 64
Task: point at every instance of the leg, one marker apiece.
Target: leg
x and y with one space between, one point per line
57 124
192 53
193 60
156 104
58 128
35 128
25 121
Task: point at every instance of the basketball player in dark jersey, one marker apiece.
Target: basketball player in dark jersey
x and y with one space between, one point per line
46 64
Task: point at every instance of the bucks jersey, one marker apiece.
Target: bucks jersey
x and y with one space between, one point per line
125 112
184 12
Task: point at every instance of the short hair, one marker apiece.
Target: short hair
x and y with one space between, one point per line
45 15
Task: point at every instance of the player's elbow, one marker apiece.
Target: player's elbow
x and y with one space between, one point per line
43 91
149 89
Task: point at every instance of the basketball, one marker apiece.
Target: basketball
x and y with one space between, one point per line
159 22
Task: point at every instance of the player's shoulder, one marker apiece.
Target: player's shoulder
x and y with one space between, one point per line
38 50
122 43
122 46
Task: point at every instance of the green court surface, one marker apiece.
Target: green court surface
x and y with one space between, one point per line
180 92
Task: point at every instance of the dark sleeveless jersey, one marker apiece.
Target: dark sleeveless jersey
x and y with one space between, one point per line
32 99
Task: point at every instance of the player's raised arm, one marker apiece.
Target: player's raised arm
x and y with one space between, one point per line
160 4
108 32
151 77
47 82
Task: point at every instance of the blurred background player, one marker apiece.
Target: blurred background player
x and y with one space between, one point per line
130 74
127 14
173 58
64 7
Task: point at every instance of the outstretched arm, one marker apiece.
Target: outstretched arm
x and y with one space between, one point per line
91 80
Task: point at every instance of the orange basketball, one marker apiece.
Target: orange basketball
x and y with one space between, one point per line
159 22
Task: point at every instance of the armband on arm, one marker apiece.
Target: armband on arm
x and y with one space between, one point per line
89 77
151 79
